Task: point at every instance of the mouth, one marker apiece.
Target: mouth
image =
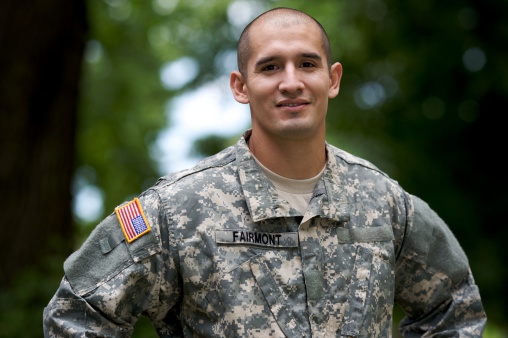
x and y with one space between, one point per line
292 103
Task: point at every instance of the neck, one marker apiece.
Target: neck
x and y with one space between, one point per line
295 159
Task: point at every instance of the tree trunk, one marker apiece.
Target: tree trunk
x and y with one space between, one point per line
42 45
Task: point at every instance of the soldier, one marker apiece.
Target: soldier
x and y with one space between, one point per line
280 235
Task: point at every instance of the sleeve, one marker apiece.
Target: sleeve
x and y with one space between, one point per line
434 284
109 283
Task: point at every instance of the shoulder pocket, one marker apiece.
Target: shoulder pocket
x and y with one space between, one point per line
104 254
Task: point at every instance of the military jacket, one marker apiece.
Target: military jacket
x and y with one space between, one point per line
227 257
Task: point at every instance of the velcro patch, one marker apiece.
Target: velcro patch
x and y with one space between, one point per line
271 239
132 220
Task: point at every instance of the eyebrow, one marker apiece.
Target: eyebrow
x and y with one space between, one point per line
268 59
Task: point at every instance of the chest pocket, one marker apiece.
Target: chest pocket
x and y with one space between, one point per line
280 307
371 281
260 290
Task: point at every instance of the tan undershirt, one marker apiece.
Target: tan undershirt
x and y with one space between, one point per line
297 192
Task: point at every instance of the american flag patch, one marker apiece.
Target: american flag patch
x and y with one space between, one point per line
132 220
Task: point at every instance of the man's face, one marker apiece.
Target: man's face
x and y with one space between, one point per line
288 83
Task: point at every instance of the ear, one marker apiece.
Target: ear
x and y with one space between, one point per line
335 76
238 87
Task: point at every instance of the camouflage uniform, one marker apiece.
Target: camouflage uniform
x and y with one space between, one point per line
226 257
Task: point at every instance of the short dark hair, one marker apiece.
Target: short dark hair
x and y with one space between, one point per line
280 14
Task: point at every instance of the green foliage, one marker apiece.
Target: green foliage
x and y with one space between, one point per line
144 329
211 144
21 305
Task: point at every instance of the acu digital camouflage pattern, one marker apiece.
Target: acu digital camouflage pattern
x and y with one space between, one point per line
209 269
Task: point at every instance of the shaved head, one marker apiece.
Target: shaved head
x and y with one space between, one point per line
281 17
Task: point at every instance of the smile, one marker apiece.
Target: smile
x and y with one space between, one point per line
292 104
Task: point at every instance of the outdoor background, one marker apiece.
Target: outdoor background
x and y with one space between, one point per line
100 98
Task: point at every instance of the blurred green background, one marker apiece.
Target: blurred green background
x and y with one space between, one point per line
83 103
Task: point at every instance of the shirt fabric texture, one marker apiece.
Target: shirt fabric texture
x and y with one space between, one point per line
227 257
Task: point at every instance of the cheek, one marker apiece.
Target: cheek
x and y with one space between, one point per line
319 85
261 95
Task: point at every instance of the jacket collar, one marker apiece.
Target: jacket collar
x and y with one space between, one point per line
328 200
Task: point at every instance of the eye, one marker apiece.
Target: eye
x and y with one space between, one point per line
269 68
307 64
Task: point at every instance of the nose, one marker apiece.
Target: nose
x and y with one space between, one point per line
291 81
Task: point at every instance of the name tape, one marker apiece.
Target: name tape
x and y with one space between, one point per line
271 239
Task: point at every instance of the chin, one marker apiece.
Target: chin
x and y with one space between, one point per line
298 130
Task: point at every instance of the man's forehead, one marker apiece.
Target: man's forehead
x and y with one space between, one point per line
291 31
282 20
280 24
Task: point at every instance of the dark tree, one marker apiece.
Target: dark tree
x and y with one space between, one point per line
42 45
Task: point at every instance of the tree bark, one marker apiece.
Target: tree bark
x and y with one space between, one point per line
42 44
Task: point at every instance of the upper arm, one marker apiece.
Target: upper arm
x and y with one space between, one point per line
110 283
433 275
